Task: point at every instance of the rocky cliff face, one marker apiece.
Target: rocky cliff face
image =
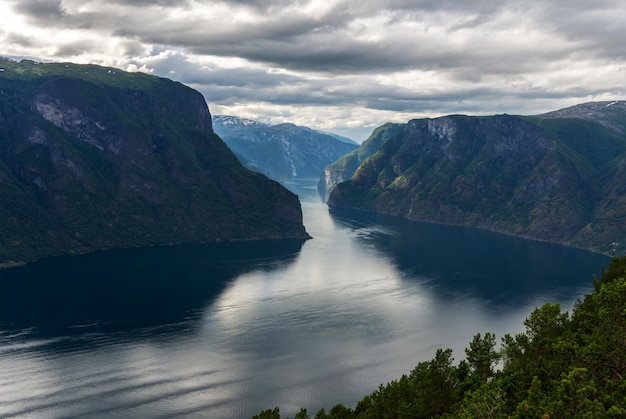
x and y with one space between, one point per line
282 152
343 169
555 177
94 158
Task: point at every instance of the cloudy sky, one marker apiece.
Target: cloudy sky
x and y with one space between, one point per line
342 65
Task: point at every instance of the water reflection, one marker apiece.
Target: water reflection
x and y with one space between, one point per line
465 261
222 332
123 290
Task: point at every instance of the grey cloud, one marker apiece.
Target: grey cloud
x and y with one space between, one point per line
166 3
263 5
228 86
364 93
254 78
450 101
248 78
347 56
326 44
483 55
471 22
232 86
233 95
201 36
368 7
325 53
603 33
75 48
257 84
144 3
41 9
19 40
389 98
130 48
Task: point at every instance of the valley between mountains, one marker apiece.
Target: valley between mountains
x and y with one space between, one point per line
94 158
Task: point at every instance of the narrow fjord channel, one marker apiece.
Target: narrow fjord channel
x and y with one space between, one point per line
226 331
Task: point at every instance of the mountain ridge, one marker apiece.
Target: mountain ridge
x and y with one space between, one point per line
343 169
555 177
283 152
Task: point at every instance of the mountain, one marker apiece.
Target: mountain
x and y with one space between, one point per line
339 137
343 169
559 177
94 158
282 152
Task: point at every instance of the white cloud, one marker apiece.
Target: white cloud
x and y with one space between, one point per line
343 65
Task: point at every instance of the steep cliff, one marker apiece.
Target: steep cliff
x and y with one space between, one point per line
94 158
343 169
283 152
557 177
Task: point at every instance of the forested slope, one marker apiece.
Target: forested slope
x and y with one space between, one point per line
558 177
94 158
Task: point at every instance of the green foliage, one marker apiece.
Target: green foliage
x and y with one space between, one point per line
27 70
392 400
275 414
486 402
268 414
435 383
616 270
534 406
559 367
302 414
576 396
576 135
349 163
482 356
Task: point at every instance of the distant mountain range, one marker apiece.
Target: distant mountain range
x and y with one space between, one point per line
559 177
283 152
94 158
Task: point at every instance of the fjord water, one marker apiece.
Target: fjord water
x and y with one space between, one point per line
224 331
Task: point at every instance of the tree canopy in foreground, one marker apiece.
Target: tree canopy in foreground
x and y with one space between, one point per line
561 366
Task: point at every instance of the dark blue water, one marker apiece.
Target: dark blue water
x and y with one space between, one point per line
226 331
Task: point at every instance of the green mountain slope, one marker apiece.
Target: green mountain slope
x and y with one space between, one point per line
94 158
343 169
557 177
